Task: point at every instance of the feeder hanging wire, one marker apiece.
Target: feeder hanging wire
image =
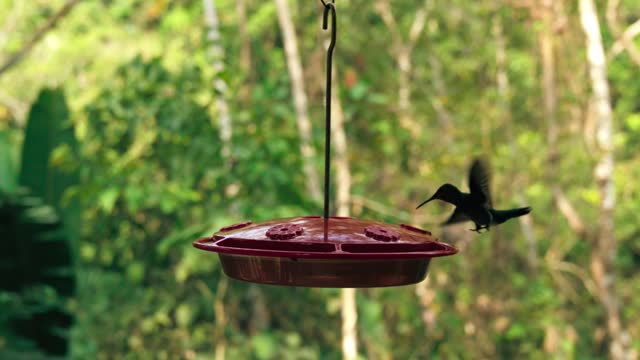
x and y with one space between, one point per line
328 7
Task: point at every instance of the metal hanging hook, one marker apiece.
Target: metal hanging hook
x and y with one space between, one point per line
329 7
325 4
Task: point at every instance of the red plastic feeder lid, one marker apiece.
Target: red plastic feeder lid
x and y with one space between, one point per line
356 253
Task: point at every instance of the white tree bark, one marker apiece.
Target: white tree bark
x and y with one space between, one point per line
217 54
221 319
504 100
343 201
245 44
401 50
341 158
549 82
627 36
437 101
550 100
217 301
605 248
624 38
294 66
349 325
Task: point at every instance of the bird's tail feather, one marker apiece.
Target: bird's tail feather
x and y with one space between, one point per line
519 212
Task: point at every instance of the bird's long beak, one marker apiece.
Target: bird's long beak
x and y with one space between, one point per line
424 202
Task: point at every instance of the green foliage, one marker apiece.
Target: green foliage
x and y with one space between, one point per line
136 142
135 129
37 277
8 168
37 268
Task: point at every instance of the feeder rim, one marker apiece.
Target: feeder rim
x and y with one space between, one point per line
213 244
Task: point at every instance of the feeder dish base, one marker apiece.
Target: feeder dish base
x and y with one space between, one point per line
328 273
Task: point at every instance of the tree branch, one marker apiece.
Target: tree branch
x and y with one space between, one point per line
623 39
417 26
384 10
39 34
618 46
401 51
576 271
569 212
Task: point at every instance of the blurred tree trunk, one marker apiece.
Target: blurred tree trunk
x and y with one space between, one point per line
217 301
426 295
343 202
604 250
216 52
349 325
16 57
444 117
550 100
504 105
294 66
341 162
245 41
221 318
260 315
548 14
245 50
401 50
217 55
343 188
440 87
549 84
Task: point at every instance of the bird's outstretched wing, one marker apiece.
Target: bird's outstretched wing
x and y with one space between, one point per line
457 217
479 183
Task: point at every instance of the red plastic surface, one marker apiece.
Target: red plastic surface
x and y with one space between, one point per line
381 233
335 273
356 253
284 231
347 239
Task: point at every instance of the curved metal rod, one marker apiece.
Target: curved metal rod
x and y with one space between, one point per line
325 4
328 7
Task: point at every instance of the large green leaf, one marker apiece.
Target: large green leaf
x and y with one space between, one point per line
8 173
49 166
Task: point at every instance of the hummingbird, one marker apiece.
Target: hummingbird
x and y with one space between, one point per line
475 206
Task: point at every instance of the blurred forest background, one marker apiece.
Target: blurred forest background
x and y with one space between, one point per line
128 128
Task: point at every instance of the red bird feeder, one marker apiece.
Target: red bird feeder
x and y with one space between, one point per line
324 251
294 251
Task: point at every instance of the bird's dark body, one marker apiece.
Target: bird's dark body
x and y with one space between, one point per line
476 212
475 205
